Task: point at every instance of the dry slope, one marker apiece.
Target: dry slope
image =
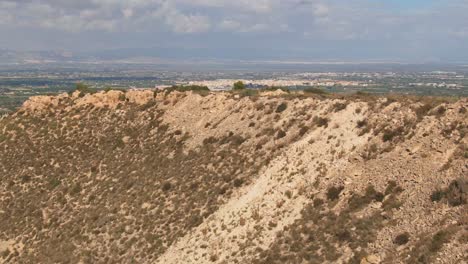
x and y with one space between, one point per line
139 177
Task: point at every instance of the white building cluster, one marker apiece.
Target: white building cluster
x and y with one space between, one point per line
226 84
441 85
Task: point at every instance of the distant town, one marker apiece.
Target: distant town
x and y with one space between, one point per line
18 84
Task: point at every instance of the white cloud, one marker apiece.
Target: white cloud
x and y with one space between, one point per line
127 12
229 25
332 19
320 10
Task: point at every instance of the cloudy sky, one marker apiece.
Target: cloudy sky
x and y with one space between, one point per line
398 30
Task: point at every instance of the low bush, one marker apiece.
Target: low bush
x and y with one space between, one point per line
437 195
166 186
313 90
361 123
247 92
428 246
238 86
185 88
371 193
339 107
321 121
280 134
438 240
402 239
441 110
455 194
238 182
281 108
334 192
84 89
389 135
359 201
318 202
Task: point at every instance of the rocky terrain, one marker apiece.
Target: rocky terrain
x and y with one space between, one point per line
186 177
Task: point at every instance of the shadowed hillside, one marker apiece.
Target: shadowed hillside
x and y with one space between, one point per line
199 177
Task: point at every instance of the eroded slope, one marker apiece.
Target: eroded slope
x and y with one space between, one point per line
185 178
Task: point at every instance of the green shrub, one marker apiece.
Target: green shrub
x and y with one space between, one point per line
76 189
213 258
362 93
392 202
334 192
25 178
423 110
247 92
392 187
166 186
238 86
339 106
281 108
441 110
84 89
313 90
321 121
343 235
389 135
372 194
318 202
303 130
438 240
359 201
455 194
280 134
185 88
401 239
361 123
54 182
437 195
238 182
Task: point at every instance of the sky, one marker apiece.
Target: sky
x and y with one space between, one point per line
295 30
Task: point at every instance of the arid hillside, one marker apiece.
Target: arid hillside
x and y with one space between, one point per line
186 177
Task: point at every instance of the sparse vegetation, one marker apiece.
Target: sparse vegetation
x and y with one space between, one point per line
333 193
281 108
320 235
390 134
321 121
313 90
238 86
430 245
402 239
123 182
84 89
339 106
186 88
361 123
280 134
455 194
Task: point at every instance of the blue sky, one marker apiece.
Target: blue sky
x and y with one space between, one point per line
391 30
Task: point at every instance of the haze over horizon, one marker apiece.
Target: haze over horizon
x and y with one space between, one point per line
303 30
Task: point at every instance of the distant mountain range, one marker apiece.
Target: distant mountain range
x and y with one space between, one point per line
213 58
11 56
